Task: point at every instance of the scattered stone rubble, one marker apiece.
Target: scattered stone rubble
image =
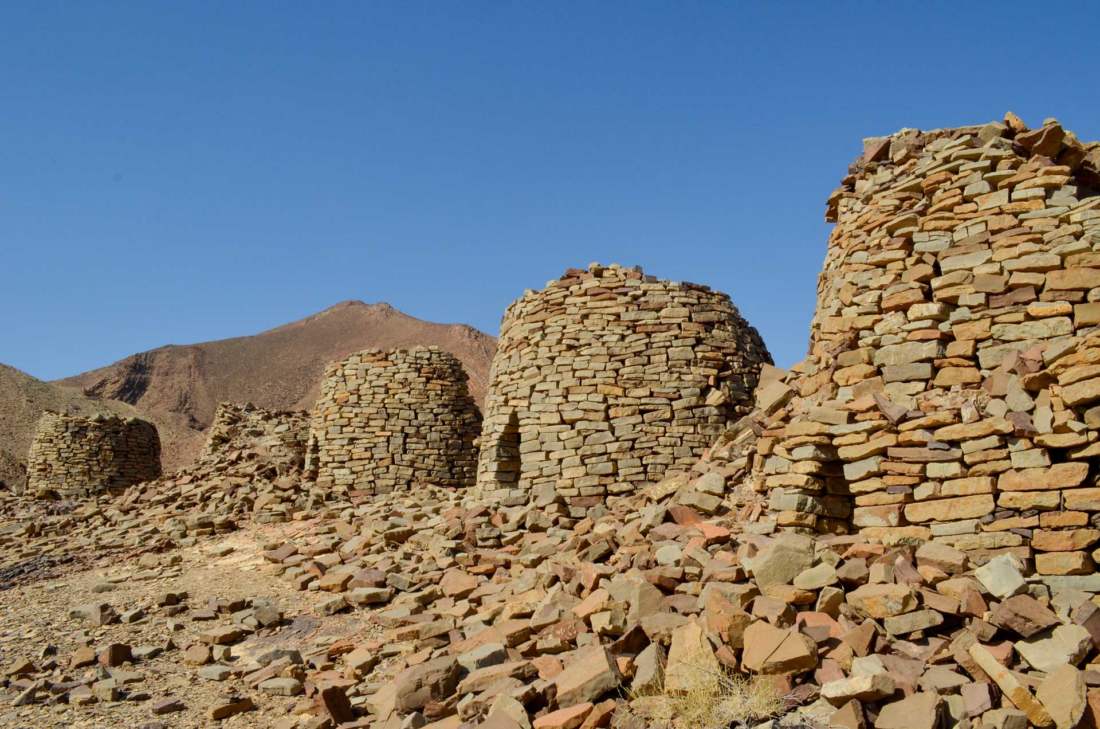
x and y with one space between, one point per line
489 622
77 456
278 436
394 419
607 379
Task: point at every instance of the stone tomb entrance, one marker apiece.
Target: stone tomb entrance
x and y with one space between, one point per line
502 456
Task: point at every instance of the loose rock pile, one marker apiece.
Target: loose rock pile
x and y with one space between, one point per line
394 420
281 434
605 623
77 456
952 386
607 379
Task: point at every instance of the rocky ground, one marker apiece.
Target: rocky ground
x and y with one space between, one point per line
163 612
426 610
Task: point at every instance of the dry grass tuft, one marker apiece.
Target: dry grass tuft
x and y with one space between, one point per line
707 699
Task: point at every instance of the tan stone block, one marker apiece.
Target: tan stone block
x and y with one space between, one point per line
967 486
979 429
1069 279
1087 499
966 507
1086 314
1063 519
951 376
1058 476
877 516
1067 540
1064 563
1013 689
1080 393
972 330
1023 500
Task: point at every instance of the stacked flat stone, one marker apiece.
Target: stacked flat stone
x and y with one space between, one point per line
951 392
79 456
281 436
606 380
390 420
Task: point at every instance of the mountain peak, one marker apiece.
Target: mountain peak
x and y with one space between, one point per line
380 307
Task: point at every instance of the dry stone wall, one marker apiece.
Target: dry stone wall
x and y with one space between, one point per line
77 456
607 379
953 386
389 420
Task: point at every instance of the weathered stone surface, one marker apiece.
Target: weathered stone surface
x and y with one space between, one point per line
1000 576
883 600
771 650
1023 615
567 718
864 688
433 680
782 560
919 711
689 654
1066 644
588 675
1063 694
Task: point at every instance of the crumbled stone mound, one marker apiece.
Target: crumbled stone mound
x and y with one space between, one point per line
251 467
607 379
395 419
278 436
594 623
72 455
951 390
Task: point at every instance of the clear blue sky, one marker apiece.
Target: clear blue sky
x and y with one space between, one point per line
184 171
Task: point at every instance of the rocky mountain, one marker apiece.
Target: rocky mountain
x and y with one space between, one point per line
178 387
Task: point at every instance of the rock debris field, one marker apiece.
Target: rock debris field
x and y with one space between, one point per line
899 532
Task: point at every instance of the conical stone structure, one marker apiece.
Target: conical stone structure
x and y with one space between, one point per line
608 379
390 420
82 456
953 386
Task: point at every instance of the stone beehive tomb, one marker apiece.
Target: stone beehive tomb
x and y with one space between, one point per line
83 456
953 386
389 420
607 379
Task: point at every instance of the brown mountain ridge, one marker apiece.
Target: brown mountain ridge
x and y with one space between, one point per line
178 387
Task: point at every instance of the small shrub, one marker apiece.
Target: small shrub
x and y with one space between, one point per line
708 699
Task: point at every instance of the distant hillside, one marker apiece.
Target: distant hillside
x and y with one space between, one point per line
179 386
22 400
